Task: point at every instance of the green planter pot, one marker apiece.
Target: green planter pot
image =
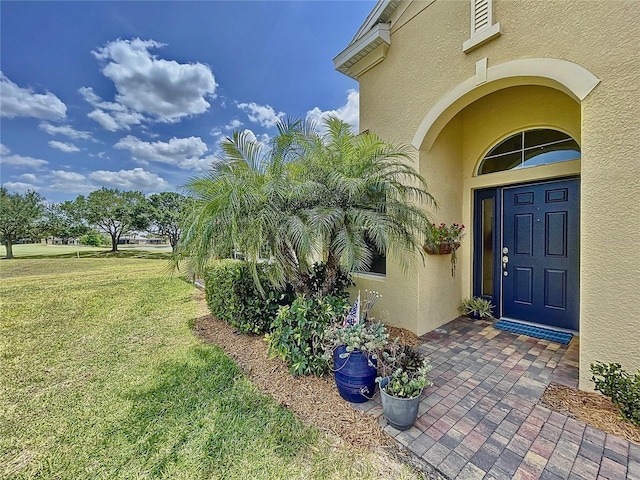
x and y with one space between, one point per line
401 413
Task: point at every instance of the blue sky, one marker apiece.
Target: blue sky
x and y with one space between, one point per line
137 95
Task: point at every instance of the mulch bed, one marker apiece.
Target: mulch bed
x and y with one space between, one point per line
591 408
314 400
405 337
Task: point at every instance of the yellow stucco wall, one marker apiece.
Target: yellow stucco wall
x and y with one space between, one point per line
425 62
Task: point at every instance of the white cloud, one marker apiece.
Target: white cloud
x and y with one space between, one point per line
68 176
111 116
24 102
93 99
106 121
63 146
184 153
19 160
216 132
65 181
233 124
136 179
265 115
65 130
28 177
198 164
113 121
349 112
165 89
19 187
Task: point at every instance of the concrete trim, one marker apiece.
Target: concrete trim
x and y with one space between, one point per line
568 77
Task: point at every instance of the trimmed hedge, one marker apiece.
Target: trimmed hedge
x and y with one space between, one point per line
233 297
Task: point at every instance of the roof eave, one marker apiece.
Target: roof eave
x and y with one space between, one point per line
378 35
380 14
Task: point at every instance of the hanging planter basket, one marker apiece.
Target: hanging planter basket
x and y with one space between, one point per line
444 249
441 248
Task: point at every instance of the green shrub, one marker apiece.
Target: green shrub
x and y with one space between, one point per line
318 277
623 389
298 332
232 296
94 239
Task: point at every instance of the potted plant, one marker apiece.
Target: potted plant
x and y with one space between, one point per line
407 375
443 240
476 307
354 352
353 347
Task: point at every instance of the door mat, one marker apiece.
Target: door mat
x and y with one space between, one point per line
534 331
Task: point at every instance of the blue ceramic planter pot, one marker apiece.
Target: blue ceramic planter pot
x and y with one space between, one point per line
355 376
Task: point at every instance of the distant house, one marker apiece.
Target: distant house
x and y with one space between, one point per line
59 241
525 118
64 241
138 239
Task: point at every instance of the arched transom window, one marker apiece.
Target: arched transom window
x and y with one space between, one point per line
529 149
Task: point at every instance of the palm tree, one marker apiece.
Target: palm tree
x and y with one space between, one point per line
369 199
249 203
336 196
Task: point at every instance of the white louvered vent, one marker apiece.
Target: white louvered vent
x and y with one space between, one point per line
481 15
482 27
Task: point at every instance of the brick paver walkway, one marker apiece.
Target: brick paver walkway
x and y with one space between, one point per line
481 419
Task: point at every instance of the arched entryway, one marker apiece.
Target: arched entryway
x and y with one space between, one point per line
455 145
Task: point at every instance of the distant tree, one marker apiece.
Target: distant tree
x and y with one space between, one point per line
94 239
166 214
20 216
114 212
64 221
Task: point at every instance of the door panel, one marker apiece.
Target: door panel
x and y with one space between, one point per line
540 281
523 285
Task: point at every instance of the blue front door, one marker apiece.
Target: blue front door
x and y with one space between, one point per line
540 253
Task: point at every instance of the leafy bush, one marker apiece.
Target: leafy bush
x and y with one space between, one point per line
232 296
94 239
622 388
318 278
298 332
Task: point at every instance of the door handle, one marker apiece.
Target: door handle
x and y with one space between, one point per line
505 261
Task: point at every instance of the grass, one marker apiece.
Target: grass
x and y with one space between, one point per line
102 378
79 251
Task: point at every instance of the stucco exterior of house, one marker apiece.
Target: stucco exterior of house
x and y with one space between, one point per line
464 81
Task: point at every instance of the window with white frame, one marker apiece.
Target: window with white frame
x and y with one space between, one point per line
530 148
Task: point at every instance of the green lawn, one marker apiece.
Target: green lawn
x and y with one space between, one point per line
101 377
40 250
